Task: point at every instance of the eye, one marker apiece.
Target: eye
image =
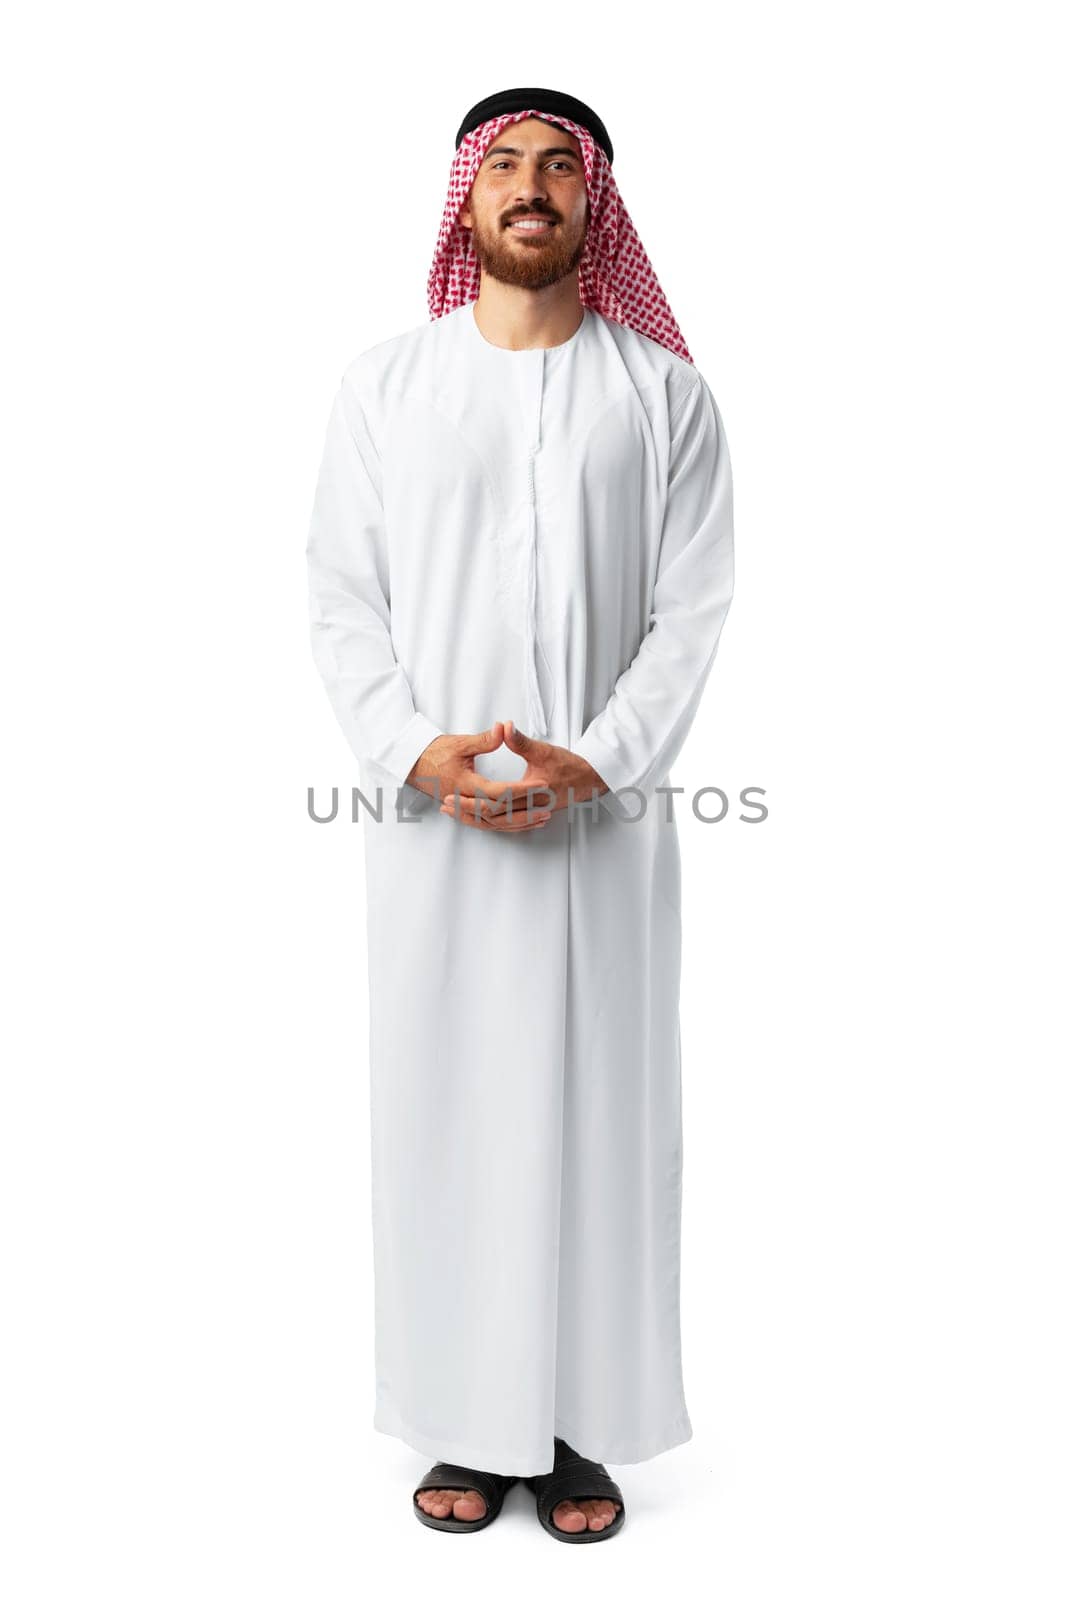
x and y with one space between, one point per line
559 161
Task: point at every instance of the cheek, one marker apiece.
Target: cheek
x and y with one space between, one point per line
575 209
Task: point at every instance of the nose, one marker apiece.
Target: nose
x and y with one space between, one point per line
530 185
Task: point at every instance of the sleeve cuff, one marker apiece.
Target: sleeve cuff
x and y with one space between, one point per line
604 760
400 754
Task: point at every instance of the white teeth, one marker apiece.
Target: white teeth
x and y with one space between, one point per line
531 226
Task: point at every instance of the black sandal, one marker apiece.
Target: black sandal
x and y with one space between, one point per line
492 1486
575 1478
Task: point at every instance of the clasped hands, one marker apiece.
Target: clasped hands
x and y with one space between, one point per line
446 770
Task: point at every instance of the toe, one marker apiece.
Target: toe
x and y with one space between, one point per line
594 1514
598 1513
469 1507
437 1502
568 1518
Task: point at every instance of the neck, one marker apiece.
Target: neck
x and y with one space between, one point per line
528 319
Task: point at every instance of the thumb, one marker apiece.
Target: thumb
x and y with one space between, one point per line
491 739
520 742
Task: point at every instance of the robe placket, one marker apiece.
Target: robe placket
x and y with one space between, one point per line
537 721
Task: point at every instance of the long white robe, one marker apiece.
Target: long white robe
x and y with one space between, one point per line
544 535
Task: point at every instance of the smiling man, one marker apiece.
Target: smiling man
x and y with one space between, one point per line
520 561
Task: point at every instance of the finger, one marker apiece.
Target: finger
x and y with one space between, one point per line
521 822
533 800
475 810
520 789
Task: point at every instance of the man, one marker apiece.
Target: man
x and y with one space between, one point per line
521 558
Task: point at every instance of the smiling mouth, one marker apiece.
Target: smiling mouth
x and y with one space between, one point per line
531 225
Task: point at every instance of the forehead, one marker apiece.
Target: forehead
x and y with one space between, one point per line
532 136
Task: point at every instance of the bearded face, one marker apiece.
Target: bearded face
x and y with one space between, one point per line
528 209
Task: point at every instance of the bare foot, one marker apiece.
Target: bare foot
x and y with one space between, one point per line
466 1505
574 1516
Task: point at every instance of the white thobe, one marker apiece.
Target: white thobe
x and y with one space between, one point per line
544 535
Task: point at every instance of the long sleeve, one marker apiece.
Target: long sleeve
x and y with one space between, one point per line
635 739
349 599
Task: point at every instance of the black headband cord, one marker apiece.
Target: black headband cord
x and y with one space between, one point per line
561 105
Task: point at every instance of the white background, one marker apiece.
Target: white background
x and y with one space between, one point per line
856 214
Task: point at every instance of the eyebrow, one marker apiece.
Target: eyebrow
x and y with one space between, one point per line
509 150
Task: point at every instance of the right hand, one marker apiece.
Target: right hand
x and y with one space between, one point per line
446 766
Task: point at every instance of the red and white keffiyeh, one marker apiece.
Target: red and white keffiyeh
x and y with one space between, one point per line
615 276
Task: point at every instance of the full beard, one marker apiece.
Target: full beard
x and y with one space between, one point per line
527 266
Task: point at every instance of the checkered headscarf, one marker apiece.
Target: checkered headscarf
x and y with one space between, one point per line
615 276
